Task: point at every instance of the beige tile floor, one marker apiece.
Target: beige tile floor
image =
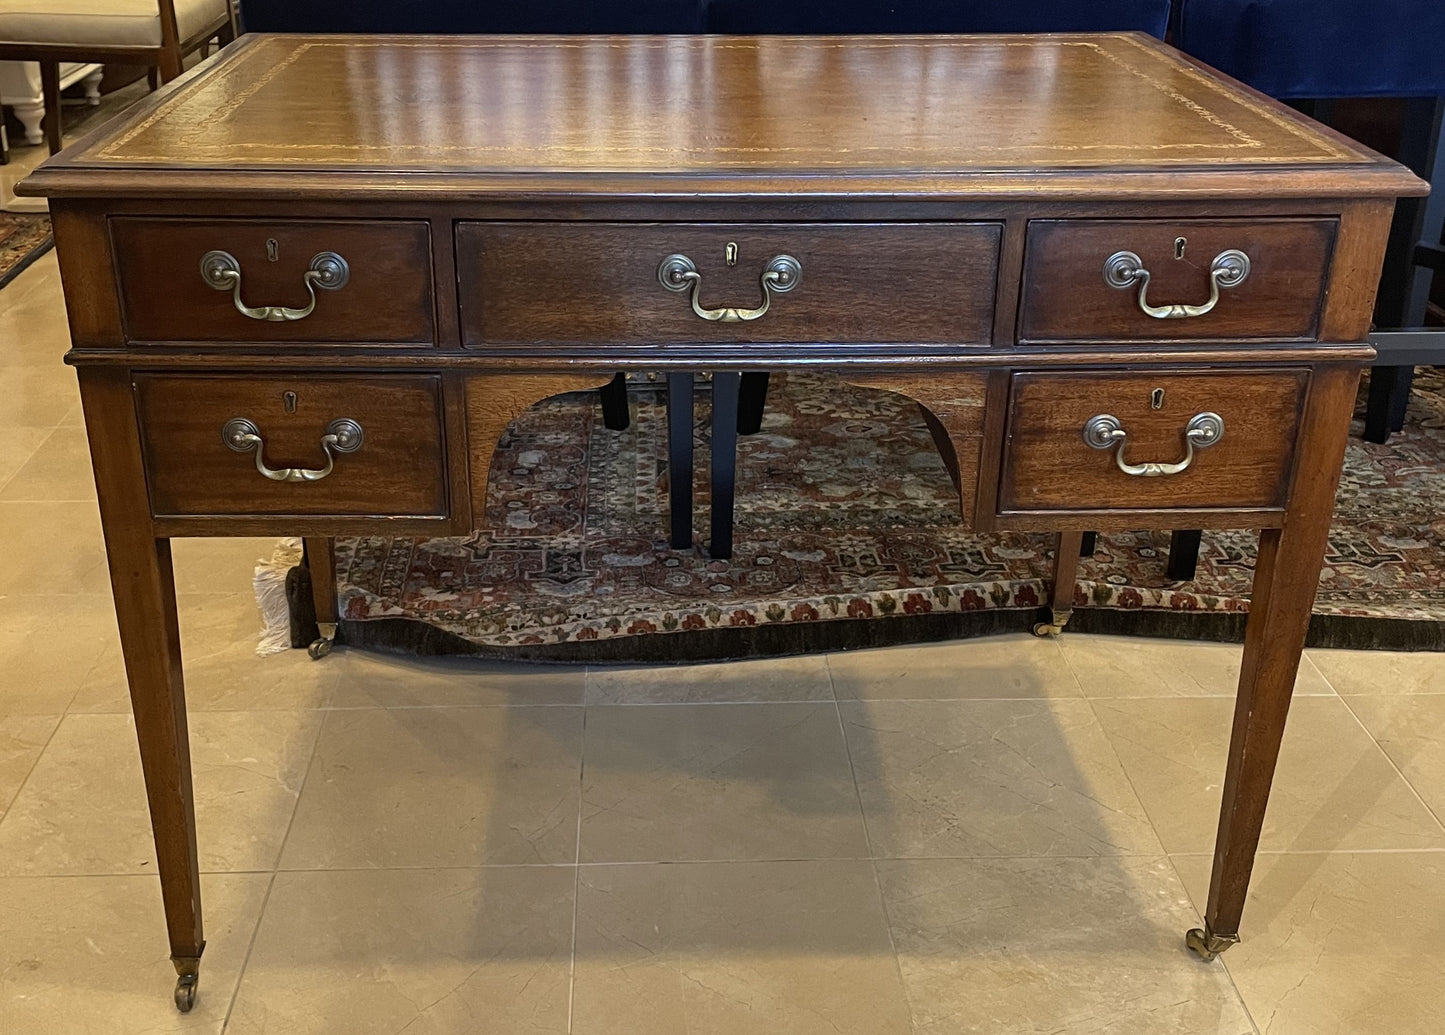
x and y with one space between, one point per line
1003 836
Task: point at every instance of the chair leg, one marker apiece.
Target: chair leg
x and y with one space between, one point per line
153 78
724 462
170 64
50 90
614 404
1183 554
1061 595
1088 544
752 397
679 458
1400 397
1389 396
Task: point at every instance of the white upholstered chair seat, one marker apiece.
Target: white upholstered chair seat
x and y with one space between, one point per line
103 23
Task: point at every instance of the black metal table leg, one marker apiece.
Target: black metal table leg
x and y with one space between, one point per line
679 458
1389 395
1412 259
725 387
752 397
1183 554
615 416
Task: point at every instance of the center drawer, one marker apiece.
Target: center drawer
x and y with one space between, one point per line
606 283
1160 440
353 446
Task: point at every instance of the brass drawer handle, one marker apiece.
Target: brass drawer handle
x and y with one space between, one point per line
780 275
222 271
1125 269
1105 432
343 435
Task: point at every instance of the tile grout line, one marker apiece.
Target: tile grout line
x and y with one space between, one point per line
577 858
20 788
1254 1025
719 862
250 947
868 844
275 872
49 434
1398 771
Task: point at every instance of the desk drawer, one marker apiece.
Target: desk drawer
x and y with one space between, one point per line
531 283
351 445
384 295
1067 295
1067 433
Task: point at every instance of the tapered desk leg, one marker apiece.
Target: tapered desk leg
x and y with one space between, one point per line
725 388
321 562
1286 576
679 459
145 608
1061 594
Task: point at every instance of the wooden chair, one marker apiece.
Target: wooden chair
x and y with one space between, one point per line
155 33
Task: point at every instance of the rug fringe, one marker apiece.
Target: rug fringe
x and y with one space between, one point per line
270 584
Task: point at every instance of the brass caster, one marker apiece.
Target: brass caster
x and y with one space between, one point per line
321 646
1206 944
186 992
189 969
1054 627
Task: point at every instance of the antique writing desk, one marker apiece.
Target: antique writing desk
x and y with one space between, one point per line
310 284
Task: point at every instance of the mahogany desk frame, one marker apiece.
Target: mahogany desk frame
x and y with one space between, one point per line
770 138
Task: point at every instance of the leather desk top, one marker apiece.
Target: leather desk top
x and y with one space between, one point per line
959 117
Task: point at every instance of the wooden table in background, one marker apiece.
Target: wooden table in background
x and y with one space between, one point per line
310 284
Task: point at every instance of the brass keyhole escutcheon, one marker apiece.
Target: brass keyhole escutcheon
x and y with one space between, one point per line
1180 243
730 253
1156 399
288 399
273 250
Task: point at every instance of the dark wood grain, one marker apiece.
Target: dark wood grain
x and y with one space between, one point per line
87 274
1355 269
504 205
321 561
144 589
1065 297
400 468
1048 466
530 283
1286 578
387 298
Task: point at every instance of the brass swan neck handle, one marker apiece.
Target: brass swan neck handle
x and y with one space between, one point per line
222 271
1105 432
1123 270
342 435
780 275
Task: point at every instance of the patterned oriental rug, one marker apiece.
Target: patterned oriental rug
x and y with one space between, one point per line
847 537
24 237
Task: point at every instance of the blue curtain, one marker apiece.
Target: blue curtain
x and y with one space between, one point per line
1321 48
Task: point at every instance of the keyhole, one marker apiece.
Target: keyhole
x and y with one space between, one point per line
731 253
1179 245
1156 399
272 249
288 399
